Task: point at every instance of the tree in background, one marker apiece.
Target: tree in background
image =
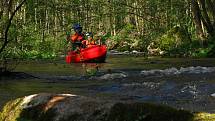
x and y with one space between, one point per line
7 14
38 28
204 18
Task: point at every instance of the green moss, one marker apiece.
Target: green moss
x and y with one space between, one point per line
11 110
204 117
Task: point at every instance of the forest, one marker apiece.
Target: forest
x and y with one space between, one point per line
31 29
154 60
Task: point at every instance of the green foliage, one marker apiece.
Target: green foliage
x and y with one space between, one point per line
200 52
32 46
176 42
38 29
174 38
207 51
127 40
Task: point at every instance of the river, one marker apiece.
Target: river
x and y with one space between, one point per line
183 83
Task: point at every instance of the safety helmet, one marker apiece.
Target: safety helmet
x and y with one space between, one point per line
77 26
89 34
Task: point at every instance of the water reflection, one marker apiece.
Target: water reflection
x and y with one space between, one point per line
91 69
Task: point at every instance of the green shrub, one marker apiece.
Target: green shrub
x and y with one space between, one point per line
174 38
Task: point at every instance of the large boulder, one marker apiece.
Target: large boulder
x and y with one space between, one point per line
68 107
53 107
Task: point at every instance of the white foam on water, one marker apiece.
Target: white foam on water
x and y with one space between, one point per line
175 71
113 76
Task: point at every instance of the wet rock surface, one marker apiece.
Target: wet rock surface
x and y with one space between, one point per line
53 107
69 107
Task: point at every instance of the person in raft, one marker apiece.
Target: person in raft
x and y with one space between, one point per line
90 41
77 38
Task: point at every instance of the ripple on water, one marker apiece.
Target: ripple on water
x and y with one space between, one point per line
175 71
110 88
207 88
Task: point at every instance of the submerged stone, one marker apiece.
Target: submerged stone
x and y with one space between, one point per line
112 76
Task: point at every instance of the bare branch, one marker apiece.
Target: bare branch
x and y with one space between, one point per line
1 14
9 24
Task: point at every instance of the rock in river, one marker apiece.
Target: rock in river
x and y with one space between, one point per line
69 107
112 76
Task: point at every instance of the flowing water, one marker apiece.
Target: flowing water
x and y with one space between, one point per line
177 82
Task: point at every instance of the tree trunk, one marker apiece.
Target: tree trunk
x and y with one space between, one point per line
9 22
136 17
197 20
206 21
35 19
211 7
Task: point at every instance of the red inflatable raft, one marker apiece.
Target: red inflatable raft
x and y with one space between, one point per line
96 53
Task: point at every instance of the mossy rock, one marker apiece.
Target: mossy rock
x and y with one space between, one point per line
52 107
11 110
67 107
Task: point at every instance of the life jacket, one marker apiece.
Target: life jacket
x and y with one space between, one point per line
77 37
90 43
